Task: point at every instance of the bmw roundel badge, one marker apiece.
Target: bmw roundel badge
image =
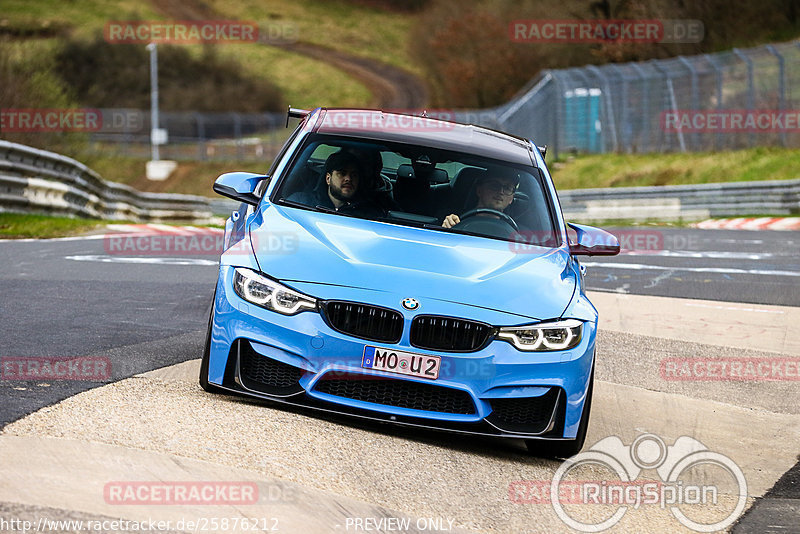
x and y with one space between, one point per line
410 304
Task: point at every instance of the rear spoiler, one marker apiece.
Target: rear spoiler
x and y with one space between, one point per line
295 113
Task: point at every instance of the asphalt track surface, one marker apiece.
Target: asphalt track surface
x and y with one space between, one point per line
71 298
727 265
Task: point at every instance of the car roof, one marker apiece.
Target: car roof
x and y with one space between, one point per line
419 130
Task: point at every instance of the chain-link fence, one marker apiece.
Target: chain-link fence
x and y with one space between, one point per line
728 100
192 135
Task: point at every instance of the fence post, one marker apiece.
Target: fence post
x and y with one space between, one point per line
781 85
625 129
695 96
645 106
751 96
672 102
610 112
201 136
718 73
237 134
559 118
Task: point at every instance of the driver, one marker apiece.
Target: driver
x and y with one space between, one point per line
344 188
493 192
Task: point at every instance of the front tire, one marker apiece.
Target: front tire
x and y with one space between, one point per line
565 449
204 361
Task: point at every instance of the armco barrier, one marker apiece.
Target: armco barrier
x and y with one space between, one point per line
671 202
33 180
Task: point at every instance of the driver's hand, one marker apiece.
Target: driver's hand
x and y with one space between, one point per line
451 220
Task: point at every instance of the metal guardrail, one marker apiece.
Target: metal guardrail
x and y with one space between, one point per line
33 180
673 202
670 202
223 207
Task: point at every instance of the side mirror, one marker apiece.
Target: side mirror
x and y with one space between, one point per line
593 241
239 186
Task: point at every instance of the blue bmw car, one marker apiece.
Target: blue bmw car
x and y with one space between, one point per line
408 270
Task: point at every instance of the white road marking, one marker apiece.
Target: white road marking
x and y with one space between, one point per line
735 308
141 260
126 230
762 223
700 254
660 278
125 227
721 270
46 240
737 241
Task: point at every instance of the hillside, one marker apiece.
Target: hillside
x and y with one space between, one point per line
36 28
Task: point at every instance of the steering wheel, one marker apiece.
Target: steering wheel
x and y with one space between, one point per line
503 216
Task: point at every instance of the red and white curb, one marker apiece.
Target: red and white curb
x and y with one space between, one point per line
162 229
130 230
762 223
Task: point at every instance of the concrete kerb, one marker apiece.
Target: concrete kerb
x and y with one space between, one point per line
76 470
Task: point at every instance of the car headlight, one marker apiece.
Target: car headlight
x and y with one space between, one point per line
553 335
269 294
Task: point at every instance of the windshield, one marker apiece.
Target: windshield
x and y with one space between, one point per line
420 186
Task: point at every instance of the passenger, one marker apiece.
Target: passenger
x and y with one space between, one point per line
342 189
493 192
374 184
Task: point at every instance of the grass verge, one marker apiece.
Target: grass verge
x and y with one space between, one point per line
15 225
594 171
190 177
626 170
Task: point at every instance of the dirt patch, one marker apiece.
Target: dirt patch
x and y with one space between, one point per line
391 87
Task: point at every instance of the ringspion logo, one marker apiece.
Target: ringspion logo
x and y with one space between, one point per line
611 474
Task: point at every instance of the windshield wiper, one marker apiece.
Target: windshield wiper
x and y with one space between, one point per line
293 204
326 209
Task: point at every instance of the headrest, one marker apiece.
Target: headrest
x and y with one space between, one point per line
405 171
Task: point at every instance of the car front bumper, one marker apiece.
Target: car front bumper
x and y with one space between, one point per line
301 360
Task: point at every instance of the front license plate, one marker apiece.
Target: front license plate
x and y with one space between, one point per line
404 363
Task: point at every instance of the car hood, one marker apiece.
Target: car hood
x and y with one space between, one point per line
298 245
